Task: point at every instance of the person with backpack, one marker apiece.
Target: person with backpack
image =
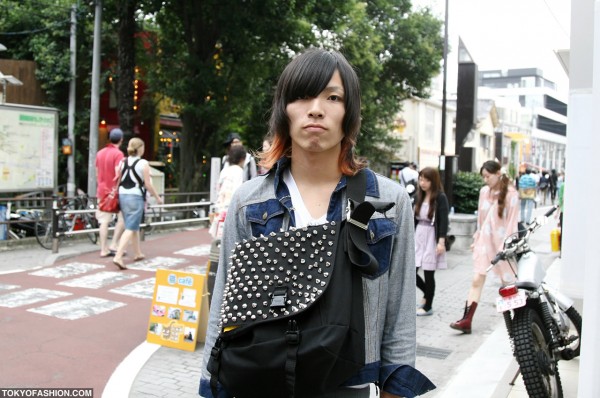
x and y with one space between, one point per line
135 181
250 170
409 178
315 187
544 186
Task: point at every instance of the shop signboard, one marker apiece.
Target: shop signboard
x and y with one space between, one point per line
179 312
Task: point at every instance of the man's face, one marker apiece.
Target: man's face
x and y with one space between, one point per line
316 123
235 142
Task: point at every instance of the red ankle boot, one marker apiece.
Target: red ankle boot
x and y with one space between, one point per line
464 325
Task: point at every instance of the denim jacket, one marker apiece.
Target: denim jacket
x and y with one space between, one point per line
263 205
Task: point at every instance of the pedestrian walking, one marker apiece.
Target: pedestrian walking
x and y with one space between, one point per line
553 185
527 193
544 186
315 123
230 179
107 161
431 228
134 182
250 170
497 218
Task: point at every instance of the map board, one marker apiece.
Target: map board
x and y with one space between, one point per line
28 148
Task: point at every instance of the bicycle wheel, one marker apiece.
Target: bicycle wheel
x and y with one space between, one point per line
91 223
150 216
43 229
534 355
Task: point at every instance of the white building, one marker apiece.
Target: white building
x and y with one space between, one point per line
540 126
420 129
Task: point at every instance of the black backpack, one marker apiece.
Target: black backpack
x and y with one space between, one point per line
127 181
292 317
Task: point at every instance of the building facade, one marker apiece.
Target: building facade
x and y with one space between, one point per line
531 112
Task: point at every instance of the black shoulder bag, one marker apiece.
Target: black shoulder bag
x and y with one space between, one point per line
292 317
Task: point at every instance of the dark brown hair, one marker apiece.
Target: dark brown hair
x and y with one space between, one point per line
236 154
433 176
492 167
306 76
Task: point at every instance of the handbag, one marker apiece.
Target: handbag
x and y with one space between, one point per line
449 241
110 202
292 315
527 193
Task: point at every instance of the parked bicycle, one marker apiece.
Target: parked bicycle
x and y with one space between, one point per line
73 214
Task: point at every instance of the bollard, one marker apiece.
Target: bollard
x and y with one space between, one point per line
555 239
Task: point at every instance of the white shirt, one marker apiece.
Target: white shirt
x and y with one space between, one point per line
303 217
408 174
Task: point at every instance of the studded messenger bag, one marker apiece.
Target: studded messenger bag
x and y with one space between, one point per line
292 316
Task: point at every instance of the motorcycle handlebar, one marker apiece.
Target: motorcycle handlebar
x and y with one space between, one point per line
552 210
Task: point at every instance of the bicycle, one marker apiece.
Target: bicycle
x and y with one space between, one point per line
70 219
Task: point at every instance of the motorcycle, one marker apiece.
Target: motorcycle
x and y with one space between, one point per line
542 324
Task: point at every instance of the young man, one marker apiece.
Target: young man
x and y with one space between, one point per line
315 124
107 160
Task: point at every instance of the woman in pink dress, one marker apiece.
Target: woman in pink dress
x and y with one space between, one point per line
497 217
431 227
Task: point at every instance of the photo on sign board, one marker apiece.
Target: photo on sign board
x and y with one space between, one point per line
159 310
174 313
190 316
189 334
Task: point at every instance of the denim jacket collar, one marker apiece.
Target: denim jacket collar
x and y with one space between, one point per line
335 209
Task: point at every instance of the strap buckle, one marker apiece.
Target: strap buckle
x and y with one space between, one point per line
349 209
279 297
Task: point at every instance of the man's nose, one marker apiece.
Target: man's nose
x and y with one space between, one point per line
315 109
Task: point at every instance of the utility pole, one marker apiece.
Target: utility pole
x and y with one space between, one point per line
95 101
71 119
445 173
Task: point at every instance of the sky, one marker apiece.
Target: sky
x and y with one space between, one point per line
507 34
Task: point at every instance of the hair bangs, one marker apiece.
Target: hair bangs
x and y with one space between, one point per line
309 76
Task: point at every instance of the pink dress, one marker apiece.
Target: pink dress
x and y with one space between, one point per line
425 243
493 230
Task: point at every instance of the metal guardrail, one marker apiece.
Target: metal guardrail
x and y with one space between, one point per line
57 211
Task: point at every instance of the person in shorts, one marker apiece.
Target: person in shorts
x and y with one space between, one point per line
107 161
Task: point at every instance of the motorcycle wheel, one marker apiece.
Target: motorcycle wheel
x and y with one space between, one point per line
573 350
534 355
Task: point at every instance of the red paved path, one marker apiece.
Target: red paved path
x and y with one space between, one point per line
43 351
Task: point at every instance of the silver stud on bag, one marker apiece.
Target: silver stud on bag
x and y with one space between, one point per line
277 261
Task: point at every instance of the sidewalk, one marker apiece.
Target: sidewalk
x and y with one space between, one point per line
479 365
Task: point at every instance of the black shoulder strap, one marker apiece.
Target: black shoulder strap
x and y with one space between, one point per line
137 177
358 215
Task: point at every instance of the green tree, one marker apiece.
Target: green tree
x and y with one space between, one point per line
220 60
38 30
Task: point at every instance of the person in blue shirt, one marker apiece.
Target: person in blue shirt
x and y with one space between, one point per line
314 124
527 192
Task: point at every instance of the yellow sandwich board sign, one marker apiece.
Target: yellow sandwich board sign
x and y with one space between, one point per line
179 312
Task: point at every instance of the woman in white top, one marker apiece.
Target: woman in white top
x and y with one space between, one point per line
135 180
